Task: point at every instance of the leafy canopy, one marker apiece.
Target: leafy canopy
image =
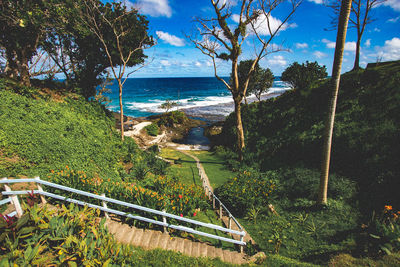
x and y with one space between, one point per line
260 79
302 76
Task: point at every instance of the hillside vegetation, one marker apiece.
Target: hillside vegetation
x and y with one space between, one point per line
281 167
287 131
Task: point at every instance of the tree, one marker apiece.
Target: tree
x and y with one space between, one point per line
220 39
337 65
260 80
22 29
302 76
360 17
168 104
123 35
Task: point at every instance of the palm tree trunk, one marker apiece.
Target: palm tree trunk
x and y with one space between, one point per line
337 65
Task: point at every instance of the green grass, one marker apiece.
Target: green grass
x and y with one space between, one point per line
214 166
184 169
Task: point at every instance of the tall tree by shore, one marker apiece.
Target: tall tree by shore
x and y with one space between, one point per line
123 35
335 81
219 40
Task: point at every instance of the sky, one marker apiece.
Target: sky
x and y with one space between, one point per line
306 37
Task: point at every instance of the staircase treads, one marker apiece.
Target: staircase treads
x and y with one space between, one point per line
173 244
188 247
181 245
203 250
211 252
164 241
137 238
146 238
195 249
154 240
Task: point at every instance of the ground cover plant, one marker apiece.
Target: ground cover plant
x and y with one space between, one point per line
74 237
283 139
42 133
214 166
184 168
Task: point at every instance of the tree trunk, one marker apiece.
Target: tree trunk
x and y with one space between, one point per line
337 65
357 59
239 129
23 68
121 108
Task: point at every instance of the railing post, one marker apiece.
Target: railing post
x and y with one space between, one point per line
105 206
213 201
14 200
230 221
220 210
40 189
241 246
164 219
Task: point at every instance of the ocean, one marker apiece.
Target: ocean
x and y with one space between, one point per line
204 97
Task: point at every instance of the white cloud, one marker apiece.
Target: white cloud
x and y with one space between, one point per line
277 61
390 51
301 45
348 46
198 64
319 54
393 20
261 24
154 8
165 62
395 4
317 1
170 39
376 29
367 43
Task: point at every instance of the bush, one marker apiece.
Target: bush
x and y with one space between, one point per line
71 237
302 76
171 118
152 129
248 190
161 193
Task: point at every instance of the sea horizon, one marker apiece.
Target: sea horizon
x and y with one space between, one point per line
197 96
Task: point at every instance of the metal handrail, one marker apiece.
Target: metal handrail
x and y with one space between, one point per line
126 204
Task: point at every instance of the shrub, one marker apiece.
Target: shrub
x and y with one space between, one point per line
302 76
171 118
152 129
71 238
162 193
248 190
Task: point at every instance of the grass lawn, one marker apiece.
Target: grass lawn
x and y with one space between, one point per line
184 169
214 166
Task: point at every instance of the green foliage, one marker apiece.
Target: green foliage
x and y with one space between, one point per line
73 236
248 190
302 76
260 80
383 233
171 118
168 104
159 193
40 135
287 131
152 129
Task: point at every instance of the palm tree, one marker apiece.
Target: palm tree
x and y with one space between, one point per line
337 65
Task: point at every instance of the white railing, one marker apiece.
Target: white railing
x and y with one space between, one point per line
210 193
14 200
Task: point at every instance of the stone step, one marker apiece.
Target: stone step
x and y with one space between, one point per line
151 239
154 240
137 238
164 242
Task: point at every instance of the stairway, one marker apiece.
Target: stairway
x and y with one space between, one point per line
151 239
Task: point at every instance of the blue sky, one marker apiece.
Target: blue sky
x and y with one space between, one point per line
305 37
